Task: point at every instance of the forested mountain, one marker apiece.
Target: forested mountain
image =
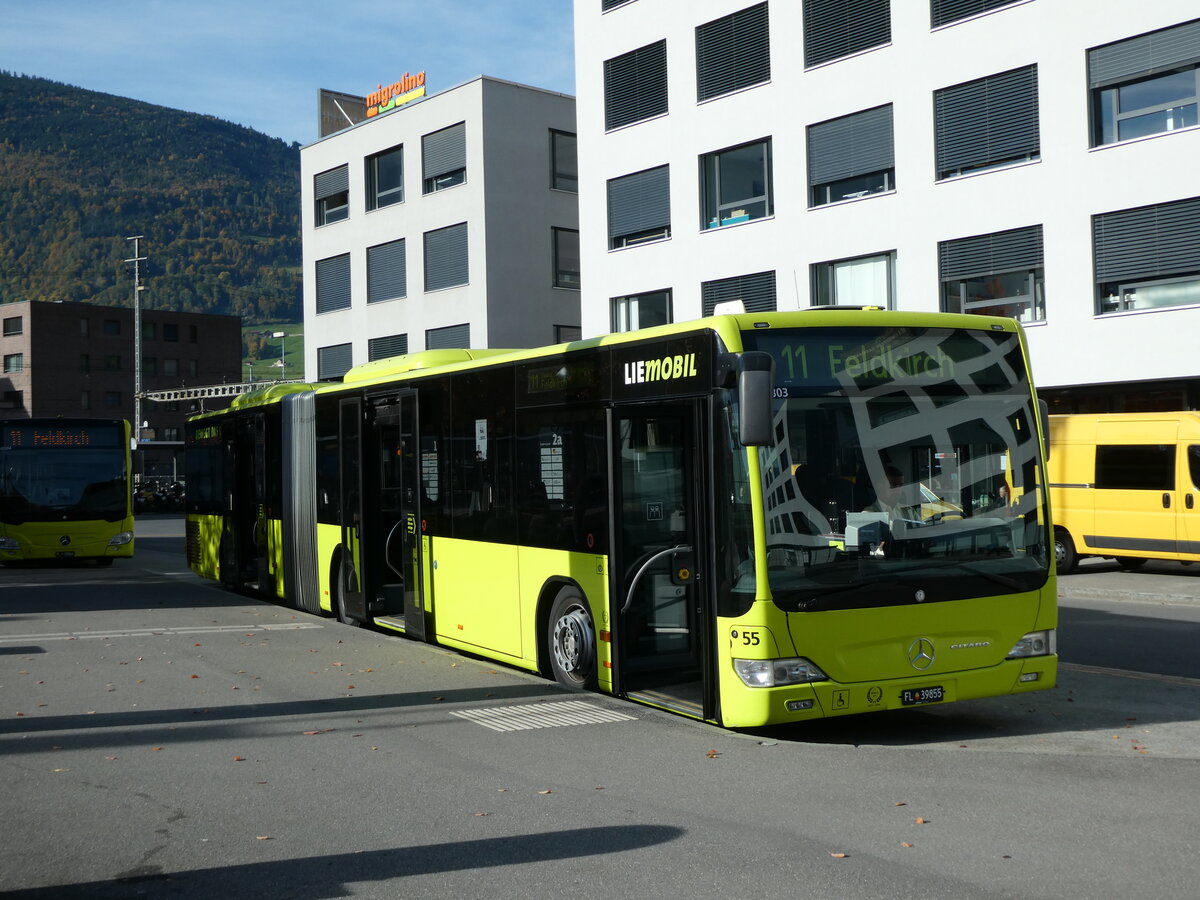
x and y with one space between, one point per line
217 203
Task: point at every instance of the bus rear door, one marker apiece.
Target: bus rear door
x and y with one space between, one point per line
660 611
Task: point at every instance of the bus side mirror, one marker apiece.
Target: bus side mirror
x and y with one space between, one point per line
755 380
1044 415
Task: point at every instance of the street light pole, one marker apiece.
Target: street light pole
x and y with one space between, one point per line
137 260
282 335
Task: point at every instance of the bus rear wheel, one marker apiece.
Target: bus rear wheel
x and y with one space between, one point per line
571 641
1065 557
347 582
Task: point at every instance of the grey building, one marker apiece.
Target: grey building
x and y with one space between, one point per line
451 221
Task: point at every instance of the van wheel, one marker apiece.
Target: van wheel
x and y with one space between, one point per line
1065 557
1130 563
571 641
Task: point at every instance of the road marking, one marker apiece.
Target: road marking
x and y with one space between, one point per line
152 632
1129 673
541 715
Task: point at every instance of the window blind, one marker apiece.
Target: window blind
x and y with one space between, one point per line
852 145
1147 242
757 292
639 202
387 276
733 52
837 28
444 151
990 254
333 283
987 121
446 263
635 85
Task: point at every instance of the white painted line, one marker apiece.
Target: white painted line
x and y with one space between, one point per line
152 632
541 715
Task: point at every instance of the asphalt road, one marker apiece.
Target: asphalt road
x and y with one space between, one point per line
160 737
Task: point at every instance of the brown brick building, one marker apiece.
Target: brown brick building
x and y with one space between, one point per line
73 359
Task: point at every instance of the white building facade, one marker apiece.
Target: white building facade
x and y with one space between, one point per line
448 222
1026 158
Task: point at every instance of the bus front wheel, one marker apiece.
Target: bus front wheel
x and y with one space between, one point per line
1065 557
571 641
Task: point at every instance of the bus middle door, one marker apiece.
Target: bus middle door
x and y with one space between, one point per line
350 603
660 613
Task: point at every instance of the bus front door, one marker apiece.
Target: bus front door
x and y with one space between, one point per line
660 614
392 495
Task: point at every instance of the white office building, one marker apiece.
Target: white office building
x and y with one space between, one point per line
447 222
1027 158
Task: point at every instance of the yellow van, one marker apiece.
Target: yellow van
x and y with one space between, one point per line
1126 486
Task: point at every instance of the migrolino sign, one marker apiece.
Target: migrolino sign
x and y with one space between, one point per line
389 96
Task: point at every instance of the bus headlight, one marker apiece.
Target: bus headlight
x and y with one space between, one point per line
776 672
7 543
120 539
1036 643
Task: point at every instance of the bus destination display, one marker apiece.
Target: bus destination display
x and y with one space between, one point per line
22 437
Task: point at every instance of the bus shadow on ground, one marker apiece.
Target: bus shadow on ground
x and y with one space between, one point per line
331 875
108 590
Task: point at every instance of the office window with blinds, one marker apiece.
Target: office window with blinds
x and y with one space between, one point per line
385 178
997 274
333 362
333 283
384 347
452 337
564 161
606 5
851 157
387 276
1147 257
444 158
987 123
636 311
1144 85
635 85
331 195
755 292
639 208
857 281
733 52
837 28
446 262
943 12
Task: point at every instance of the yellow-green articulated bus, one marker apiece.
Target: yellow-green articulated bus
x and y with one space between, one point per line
750 519
65 490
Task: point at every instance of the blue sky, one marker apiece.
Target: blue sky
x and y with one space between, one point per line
260 62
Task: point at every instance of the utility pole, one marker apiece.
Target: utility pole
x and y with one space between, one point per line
137 260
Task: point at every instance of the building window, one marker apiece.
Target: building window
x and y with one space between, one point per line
85 399
639 208
13 326
564 162
193 368
148 331
83 327
112 362
837 28
385 178
986 123
333 283
384 347
733 52
444 158
641 310
452 337
566 333
606 5
85 363
149 365
387 272
446 260
943 12
998 274
170 332
635 86
112 326
851 157
170 367
1145 85
755 293
1148 257
333 362
193 334
860 281
331 191
566 258
14 362
736 185
13 400
172 433
112 399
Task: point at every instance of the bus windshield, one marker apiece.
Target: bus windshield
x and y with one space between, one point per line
60 485
905 467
